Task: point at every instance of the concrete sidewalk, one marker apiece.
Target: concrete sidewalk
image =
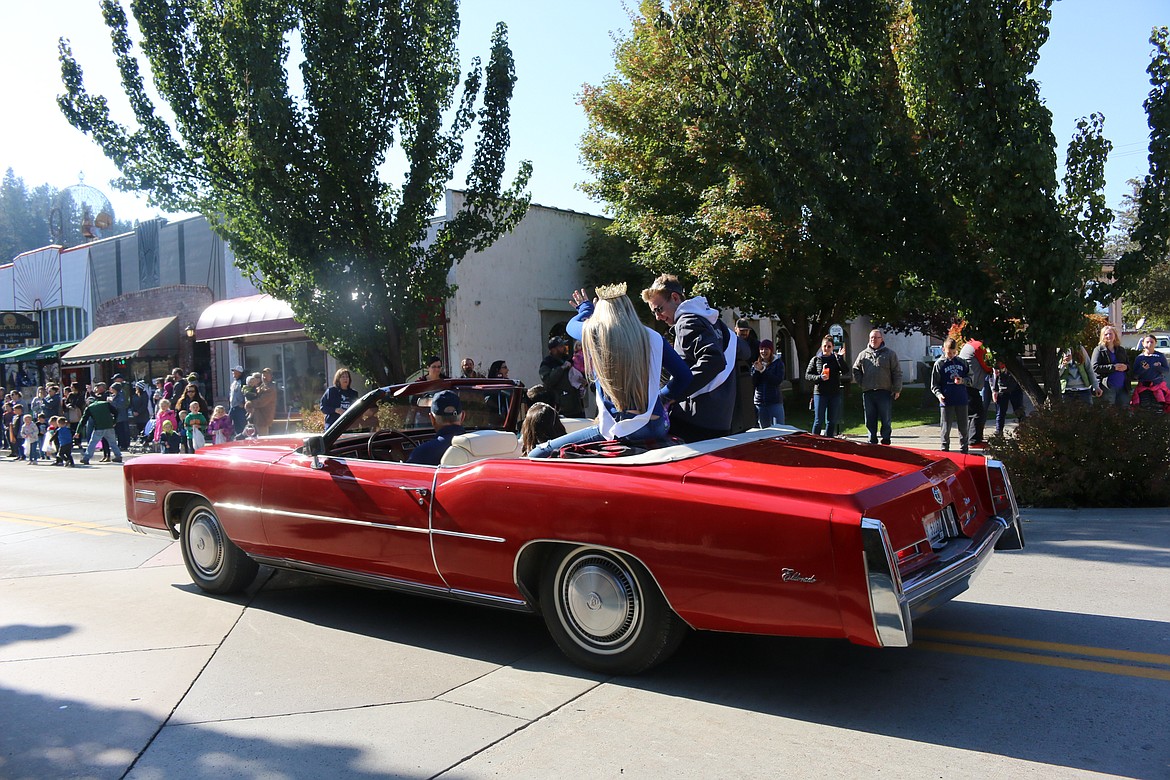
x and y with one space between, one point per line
926 437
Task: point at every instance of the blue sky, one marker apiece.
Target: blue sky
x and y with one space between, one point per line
1095 60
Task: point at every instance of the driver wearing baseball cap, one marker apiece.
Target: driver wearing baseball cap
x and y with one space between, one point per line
447 418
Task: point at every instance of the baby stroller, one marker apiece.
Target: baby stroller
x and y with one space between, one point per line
145 442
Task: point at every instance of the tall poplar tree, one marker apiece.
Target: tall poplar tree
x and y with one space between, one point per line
1143 268
761 151
818 160
1026 250
289 167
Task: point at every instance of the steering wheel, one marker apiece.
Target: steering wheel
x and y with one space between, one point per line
394 434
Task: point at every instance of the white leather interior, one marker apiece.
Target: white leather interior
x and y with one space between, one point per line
576 423
477 445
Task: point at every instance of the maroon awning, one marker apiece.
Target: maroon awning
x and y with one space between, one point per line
252 315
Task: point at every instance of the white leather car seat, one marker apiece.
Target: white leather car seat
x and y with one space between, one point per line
477 445
574 424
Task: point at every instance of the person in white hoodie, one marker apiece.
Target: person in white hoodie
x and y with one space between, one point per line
708 346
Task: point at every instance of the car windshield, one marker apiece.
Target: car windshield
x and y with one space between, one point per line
483 408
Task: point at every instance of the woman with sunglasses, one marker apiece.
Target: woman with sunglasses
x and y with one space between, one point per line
189 395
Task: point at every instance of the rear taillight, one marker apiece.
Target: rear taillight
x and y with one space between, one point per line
906 553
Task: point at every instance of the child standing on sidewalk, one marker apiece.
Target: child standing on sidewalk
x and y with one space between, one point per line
169 441
195 424
220 428
165 414
64 443
29 433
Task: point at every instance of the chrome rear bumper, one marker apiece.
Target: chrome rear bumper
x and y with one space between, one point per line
896 603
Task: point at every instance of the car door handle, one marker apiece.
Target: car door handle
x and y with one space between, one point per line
419 494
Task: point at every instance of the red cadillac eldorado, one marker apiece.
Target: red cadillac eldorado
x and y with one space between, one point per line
771 531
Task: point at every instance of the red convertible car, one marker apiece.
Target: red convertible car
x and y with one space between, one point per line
771 531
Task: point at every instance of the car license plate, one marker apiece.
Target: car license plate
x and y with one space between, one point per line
936 529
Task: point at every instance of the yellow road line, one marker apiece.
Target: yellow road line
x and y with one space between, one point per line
1045 660
72 526
57 526
1047 647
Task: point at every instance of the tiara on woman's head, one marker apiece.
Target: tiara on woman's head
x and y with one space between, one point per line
610 291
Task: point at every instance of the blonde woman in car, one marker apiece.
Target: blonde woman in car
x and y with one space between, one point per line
627 359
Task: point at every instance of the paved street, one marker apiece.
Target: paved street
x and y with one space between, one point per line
112 664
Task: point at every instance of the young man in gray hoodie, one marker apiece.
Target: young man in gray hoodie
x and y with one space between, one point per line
708 346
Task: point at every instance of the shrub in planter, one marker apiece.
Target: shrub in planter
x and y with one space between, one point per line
1074 455
312 420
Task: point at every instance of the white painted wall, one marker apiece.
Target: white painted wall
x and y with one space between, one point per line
236 285
496 312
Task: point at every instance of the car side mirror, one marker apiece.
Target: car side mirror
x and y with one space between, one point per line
315 447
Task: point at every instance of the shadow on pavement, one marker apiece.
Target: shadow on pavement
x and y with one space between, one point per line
36 746
1029 711
1137 537
14 633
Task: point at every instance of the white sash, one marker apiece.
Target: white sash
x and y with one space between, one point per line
728 359
615 429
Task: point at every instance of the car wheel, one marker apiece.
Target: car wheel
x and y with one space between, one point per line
606 613
215 564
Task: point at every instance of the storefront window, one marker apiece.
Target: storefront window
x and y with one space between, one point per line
298 369
60 324
147 369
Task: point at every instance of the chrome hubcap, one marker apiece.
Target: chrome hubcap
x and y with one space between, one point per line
204 543
600 604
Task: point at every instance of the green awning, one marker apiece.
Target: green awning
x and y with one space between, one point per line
56 350
19 355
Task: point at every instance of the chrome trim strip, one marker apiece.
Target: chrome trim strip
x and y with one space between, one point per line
485 597
239 507
1013 536
146 496
147 530
322 518
999 466
462 535
382 582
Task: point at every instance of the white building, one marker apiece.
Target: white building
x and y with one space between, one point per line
512 294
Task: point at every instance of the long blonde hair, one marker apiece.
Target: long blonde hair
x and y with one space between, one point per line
617 352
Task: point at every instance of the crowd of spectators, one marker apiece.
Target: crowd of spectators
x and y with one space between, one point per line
171 414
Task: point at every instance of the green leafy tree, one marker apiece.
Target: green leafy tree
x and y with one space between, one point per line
24 216
290 170
1026 252
821 160
1143 270
761 151
609 258
1148 298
